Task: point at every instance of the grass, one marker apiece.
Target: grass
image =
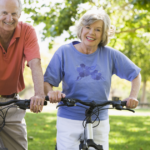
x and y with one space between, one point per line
127 132
41 131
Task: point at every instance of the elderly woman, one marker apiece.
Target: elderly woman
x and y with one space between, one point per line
85 69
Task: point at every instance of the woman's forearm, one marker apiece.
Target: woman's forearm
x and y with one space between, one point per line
135 86
47 87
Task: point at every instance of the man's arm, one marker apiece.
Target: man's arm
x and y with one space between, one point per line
37 100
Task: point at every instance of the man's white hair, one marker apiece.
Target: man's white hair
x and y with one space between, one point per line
20 6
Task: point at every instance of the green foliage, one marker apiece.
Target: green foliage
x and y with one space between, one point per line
128 17
144 4
138 50
59 17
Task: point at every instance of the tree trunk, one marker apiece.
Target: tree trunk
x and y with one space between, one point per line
143 97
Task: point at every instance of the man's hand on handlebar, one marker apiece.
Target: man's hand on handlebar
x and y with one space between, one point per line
131 102
55 96
36 104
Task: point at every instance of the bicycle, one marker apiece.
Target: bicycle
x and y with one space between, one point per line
22 104
87 141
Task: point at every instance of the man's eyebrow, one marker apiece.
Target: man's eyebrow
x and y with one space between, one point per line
4 11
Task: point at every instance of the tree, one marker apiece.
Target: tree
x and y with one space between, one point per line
58 18
128 16
138 50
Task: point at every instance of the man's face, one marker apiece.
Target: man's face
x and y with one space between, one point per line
9 14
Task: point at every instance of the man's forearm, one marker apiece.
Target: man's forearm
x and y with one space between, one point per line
37 76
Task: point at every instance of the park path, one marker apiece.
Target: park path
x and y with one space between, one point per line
52 107
128 113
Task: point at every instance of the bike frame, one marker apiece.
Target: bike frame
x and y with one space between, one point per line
87 140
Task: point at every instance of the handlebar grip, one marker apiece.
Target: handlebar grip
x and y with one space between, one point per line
123 103
46 98
45 103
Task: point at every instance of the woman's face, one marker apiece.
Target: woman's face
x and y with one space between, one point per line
91 35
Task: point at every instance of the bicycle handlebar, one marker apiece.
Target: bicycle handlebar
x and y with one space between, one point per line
22 104
116 104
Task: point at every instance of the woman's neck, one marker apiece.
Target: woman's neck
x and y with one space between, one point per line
85 49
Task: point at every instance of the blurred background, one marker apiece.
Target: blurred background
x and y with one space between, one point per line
55 21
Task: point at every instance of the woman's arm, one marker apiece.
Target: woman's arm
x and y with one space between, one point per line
47 87
135 86
54 96
132 101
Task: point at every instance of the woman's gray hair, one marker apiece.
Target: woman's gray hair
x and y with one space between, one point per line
92 16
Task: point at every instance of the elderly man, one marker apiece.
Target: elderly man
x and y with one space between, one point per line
18 43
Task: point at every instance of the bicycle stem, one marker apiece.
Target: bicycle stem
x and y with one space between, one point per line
89 131
89 137
89 125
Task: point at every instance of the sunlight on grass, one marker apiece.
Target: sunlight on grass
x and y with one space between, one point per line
132 134
126 132
41 131
119 123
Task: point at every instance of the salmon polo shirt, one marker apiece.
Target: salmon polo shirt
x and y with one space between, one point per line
23 46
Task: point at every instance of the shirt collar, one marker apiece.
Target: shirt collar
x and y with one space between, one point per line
17 31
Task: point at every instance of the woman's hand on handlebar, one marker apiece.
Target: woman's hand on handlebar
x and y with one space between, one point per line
55 96
131 102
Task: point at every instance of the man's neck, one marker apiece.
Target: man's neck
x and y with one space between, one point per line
5 36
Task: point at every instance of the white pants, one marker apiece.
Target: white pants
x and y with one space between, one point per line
70 131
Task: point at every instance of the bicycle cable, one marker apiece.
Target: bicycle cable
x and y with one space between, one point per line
98 110
97 118
3 115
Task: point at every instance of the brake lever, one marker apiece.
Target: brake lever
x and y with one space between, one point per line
128 109
119 107
60 105
67 102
